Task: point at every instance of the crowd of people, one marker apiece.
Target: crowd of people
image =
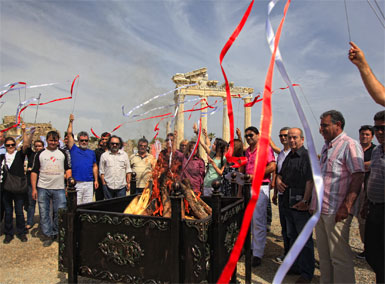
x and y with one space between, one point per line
353 175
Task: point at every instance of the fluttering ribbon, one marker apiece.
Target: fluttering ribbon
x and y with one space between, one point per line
23 108
154 98
260 162
93 132
234 256
256 99
316 171
10 86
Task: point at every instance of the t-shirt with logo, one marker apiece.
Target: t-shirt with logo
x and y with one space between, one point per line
51 165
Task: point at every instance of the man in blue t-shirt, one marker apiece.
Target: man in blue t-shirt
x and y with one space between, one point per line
84 167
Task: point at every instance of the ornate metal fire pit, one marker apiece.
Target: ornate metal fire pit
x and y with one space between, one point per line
96 240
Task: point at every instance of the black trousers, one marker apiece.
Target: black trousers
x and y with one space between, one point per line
374 240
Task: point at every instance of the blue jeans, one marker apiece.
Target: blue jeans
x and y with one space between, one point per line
8 200
113 193
49 225
295 221
31 207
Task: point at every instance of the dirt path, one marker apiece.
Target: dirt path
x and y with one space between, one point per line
30 262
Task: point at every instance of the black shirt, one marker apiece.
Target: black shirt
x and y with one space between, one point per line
295 172
368 157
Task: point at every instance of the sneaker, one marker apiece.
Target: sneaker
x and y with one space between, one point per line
22 238
361 255
256 261
279 259
7 239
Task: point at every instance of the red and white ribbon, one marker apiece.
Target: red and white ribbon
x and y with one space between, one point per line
317 177
154 98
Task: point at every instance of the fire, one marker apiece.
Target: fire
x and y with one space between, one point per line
164 175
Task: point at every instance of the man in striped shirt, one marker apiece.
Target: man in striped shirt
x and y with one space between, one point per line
374 226
342 167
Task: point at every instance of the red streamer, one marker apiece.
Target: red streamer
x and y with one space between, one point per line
256 100
261 159
40 104
12 86
93 132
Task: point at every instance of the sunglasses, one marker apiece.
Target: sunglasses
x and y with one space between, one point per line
249 136
379 127
83 140
282 135
10 145
114 144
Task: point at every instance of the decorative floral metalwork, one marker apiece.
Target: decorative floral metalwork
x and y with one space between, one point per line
197 258
201 258
231 236
62 233
201 226
207 257
115 277
231 212
128 221
121 249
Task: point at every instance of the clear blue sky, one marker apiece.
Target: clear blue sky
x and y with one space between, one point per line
127 51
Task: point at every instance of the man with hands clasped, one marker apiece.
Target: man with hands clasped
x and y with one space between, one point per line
295 182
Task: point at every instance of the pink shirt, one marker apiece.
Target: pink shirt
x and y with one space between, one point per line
251 162
340 158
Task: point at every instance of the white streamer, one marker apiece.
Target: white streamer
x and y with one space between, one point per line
25 87
154 98
317 177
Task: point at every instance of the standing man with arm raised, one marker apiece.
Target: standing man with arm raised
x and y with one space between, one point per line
84 167
282 154
373 86
258 225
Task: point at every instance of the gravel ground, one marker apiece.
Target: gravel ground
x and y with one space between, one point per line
30 262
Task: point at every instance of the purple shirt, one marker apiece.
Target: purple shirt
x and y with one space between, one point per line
251 162
195 172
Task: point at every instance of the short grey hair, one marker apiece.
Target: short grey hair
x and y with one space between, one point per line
284 128
335 116
82 133
300 131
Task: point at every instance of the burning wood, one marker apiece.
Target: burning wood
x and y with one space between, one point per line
155 200
193 207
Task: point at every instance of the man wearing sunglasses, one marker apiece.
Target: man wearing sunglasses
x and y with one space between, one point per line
115 170
259 222
84 167
374 211
342 168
